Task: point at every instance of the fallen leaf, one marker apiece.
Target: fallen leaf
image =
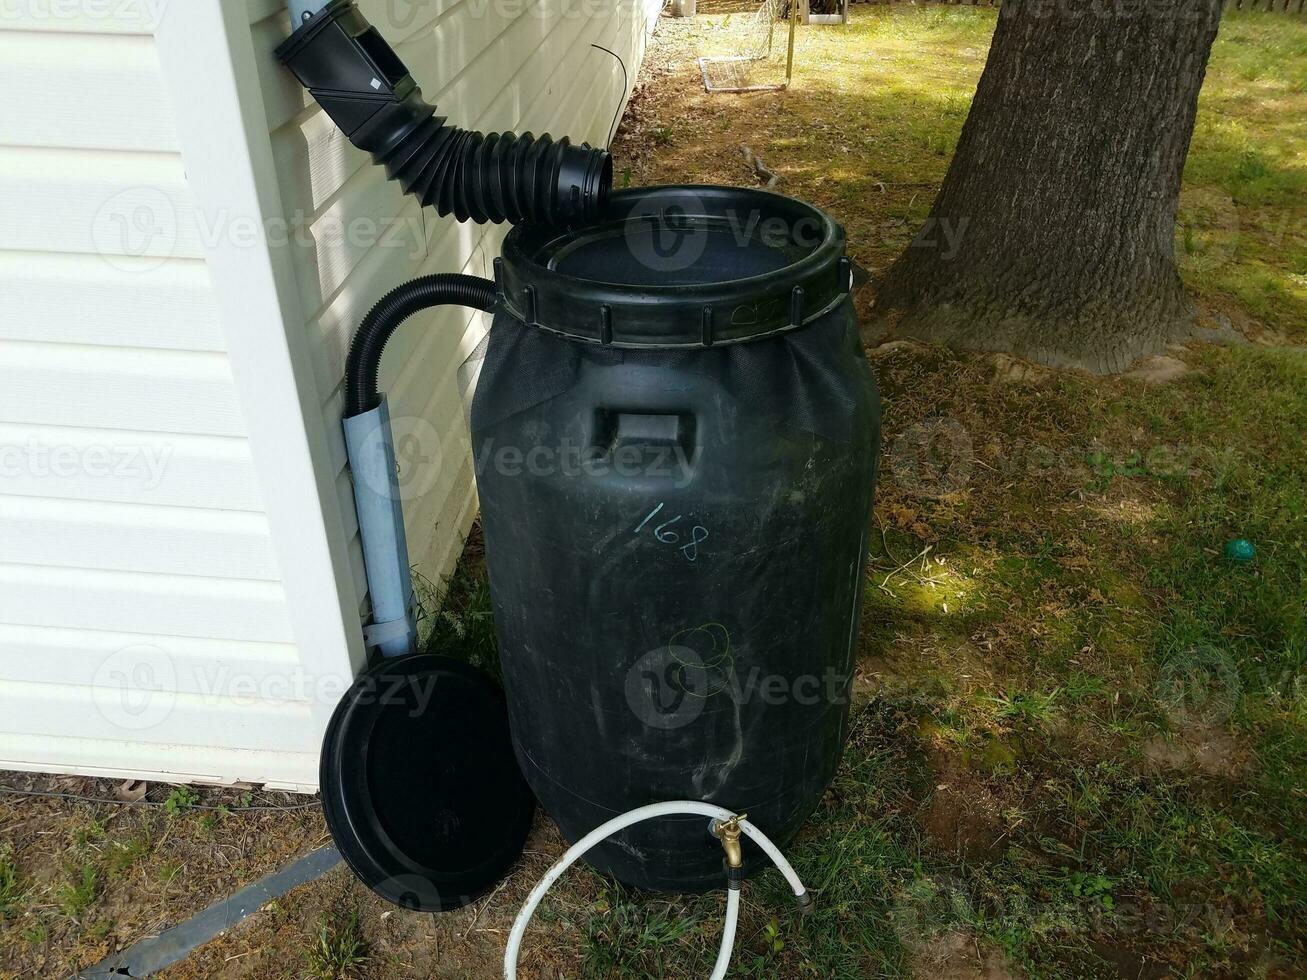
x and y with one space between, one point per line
132 791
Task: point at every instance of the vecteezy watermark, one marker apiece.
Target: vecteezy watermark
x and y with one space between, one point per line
667 238
944 234
216 683
671 686
670 234
140 228
572 459
1206 230
135 688
143 465
419 457
135 230
143 15
668 687
937 456
1200 685
933 458
402 14
1153 10
928 907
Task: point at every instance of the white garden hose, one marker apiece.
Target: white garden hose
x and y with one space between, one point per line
602 833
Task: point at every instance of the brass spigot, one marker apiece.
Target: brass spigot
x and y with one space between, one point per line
728 832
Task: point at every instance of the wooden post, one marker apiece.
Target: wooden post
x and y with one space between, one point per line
789 55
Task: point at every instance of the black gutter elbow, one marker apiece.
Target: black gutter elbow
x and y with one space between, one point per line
365 88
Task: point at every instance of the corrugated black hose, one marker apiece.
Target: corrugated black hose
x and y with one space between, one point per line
444 289
365 88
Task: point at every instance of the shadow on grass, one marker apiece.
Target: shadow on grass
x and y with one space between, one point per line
1149 691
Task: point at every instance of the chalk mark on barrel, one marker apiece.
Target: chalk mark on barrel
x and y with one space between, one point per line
668 537
697 537
652 514
722 662
664 535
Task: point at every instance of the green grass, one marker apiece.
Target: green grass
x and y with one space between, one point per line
337 950
79 892
459 619
80 880
180 799
11 886
853 855
121 855
1254 615
1244 209
167 872
1113 632
629 936
90 833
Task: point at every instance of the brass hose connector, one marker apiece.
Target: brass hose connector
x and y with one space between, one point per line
728 832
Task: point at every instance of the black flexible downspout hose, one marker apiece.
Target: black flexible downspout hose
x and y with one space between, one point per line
362 84
445 289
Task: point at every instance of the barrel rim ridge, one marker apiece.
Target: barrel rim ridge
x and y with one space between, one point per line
676 316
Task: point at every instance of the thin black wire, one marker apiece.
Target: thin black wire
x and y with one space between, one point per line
617 113
7 791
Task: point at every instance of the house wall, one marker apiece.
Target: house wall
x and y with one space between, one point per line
180 575
492 65
137 564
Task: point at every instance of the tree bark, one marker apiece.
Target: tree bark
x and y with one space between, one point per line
1053 234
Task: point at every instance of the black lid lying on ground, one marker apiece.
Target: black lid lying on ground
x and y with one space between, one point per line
420 786
677 267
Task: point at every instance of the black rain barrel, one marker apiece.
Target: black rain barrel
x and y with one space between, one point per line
675 433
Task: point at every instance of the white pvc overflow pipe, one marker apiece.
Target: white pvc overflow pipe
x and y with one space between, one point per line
639 815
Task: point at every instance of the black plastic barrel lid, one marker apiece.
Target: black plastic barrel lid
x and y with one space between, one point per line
420 786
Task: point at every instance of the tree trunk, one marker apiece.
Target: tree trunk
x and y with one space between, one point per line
1053 234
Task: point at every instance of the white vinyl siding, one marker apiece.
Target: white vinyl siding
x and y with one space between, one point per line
54 77
47 295
176 518
131 515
